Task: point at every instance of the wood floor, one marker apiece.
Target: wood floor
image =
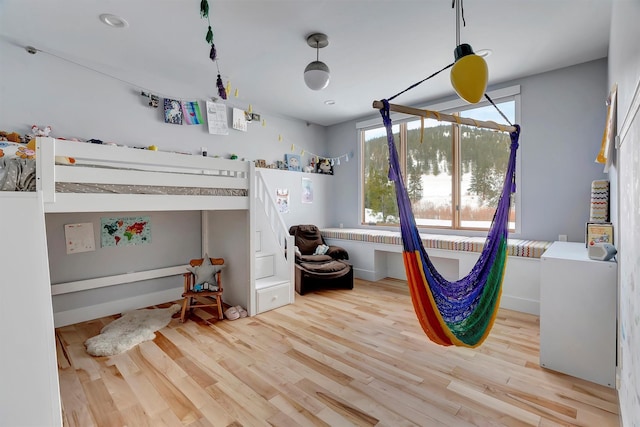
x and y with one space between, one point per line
334 358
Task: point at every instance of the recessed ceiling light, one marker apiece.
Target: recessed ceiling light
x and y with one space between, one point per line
484 52
329 102
113 20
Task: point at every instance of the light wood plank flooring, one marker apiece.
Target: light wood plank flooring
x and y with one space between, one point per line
334 358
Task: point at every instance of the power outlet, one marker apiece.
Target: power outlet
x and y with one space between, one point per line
562 238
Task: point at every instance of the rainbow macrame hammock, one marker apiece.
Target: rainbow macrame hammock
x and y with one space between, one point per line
457 313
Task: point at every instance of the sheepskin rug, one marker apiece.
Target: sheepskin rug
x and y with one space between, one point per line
130 330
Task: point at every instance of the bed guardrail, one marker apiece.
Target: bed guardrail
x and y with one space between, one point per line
97 164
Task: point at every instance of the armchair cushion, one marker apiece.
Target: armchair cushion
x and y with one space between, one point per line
326 268
336 252
314 258
205 272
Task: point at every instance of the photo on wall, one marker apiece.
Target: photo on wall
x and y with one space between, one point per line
123 231
172 111
282 200
293 162
307 190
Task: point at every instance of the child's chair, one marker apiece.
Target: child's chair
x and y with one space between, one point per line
201 284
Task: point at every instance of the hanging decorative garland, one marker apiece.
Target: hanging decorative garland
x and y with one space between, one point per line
213 54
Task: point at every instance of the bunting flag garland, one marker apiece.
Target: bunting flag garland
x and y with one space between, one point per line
316 157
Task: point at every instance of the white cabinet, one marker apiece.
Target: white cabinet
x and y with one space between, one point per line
578 313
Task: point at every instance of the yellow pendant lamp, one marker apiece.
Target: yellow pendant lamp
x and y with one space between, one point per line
469 75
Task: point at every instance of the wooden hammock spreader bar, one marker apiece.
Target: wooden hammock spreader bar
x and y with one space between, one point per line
445 117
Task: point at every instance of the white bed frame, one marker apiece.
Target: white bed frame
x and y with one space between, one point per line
131 166
106 164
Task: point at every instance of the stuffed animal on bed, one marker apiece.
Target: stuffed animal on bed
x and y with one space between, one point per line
12 150
12 137
36 131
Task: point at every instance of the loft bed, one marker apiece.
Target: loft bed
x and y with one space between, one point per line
106 178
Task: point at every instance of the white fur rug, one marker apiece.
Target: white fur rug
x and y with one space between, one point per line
130 330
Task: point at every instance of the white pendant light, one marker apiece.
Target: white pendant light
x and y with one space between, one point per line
316 75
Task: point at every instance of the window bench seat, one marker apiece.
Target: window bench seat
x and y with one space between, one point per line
376 254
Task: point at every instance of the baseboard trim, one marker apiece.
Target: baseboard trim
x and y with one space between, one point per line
82 314
522 305
369 275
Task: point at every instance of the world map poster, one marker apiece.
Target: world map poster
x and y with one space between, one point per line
125 231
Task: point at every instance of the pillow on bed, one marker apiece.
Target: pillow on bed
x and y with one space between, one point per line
205 272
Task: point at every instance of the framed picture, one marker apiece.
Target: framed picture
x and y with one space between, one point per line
293 162
599 232
324 166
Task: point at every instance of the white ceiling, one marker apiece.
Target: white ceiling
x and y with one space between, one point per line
376 47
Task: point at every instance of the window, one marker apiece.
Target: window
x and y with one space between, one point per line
453 173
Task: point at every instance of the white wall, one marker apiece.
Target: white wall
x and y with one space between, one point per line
562 118
175 239
624 70
76 102
316 212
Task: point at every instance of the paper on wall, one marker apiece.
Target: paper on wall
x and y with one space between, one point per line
217 118
239 120
79 238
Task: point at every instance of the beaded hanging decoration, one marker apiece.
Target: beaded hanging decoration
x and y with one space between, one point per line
213 53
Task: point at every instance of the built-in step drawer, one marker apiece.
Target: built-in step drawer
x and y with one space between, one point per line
273 297
264 265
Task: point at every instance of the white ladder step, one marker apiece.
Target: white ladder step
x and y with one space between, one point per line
265 265
269 282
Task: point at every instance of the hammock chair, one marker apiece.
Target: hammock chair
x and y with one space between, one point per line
457 313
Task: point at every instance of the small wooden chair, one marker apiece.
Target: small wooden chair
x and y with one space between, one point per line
194 298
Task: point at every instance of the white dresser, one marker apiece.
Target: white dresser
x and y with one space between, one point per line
578 313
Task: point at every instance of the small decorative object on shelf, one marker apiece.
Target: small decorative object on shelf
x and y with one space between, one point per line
598 232
293 162
325 167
